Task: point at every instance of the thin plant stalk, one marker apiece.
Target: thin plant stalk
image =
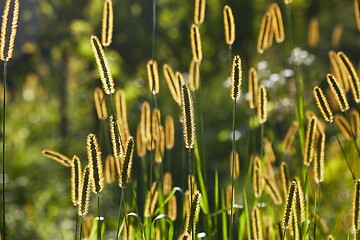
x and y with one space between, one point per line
3 146
347 161
191 185
233 170
315 206
119 215
99 217
76 224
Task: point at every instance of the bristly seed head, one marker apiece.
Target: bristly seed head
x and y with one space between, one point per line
229 25
262 107
196 43
338 92
107 23
323 104
236 77
188 114
7 42
95 163
153 76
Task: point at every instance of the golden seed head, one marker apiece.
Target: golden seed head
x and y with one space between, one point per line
169 132
253 88
110 170
299 200
256 224
6 41
336 36
192 217
196 43
199 12
103 66
344 126
356 205
145 122
172 83
194 76
60 158
229 25
140 145
265 29
116 137
269 150
355 122
313 34
236 77
273 190
323 104
188 114
126 167
289 204
229 198
351 75
338 92
258 179
262 107
339 70
160 146
357 13
95 163
277 22
287 1
172 208
310 141
84 197
167 183
319 158
151 199
75 180
155 123
284 172
121 114
107 23
100 104
289 137
234 165
153 76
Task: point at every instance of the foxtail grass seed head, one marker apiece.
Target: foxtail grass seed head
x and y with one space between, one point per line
299 200
344 126
60 158
234 164
194 76
116 138
262 107
6 41
229 25
145 122
253 88
95 163
319 158
290 136
150 201
193 216
199 11
110 170
287 2
160 146
140 145
103 66
121 113
229 198
256 224
310 141
294 226
169 132
269 150
236 77
188 114
338 92
289 204
352 76
355 122
258 179
264 33
313 34
153 76
172 83
75 180
172 208
323 104
277 23
273 191
84 197
107 23
357 13
330 237
100 104
155 123
339 70
284 173
356 206
126 167
192 183
336 36
196 43
167 183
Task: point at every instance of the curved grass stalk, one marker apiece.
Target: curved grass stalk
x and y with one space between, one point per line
3 147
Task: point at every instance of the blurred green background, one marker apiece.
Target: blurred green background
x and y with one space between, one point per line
53 73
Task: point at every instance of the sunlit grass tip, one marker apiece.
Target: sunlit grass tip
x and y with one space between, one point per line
100 104
253 88
322 104
338 92
75 180
84 202
262 106
236 77
153 76
60 158
126 167
95 163
6 41
199 11
229 25
107 23
188 114
310 141
196 43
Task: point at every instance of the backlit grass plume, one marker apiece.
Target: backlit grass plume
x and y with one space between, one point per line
322 104
60 158
236 77
310 141
277 22
145 122
319 158
338 70
6 40
75 180
188 114
256 224
116 138
199 11
172 83
196 43
253 88
258 179
265 29
338 92
289 204
107 23
100 104
121 113
194 76
192 216
352 76
229 25
357 13
313 34
126 167
234 163
356 206
85 190
153 76
262 105
103 66
95 163
355 122
169 132
344 126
